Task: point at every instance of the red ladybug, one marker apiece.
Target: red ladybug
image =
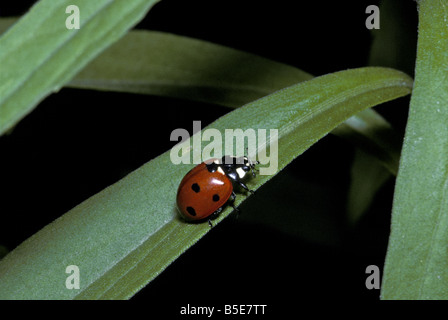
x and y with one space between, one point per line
208 187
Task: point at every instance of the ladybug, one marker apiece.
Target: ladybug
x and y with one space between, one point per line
208 187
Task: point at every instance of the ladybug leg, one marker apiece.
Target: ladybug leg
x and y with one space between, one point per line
231 203
253 168
245 187
232 200
214 215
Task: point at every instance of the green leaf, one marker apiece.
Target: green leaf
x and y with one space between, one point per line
124 236
150 62
367 177
158 63
417 258
57 52
375 136
379 149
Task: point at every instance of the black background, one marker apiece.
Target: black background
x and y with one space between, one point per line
74 144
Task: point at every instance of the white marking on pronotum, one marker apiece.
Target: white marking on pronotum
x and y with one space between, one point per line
221 171
241 172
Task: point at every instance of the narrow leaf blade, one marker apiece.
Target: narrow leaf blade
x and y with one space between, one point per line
417 259
158 63
57 52
164 64
124 236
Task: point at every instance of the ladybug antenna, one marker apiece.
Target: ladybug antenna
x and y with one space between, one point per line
252 165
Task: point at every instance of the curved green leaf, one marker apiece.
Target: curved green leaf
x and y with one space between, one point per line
417 257
158 63
165 64
57 52
367 177
124 236
151 62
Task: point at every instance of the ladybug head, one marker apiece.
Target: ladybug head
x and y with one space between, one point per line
248 165
237 167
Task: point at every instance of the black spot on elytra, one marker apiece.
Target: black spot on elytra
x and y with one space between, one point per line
191 211
215 198
195 187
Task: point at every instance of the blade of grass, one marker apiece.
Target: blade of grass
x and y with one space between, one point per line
375 136
164 64
149 62
158 63
124 236
57 52
417 259
390 48
367 177
377 141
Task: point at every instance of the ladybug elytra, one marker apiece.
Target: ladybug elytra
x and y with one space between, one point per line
208 187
